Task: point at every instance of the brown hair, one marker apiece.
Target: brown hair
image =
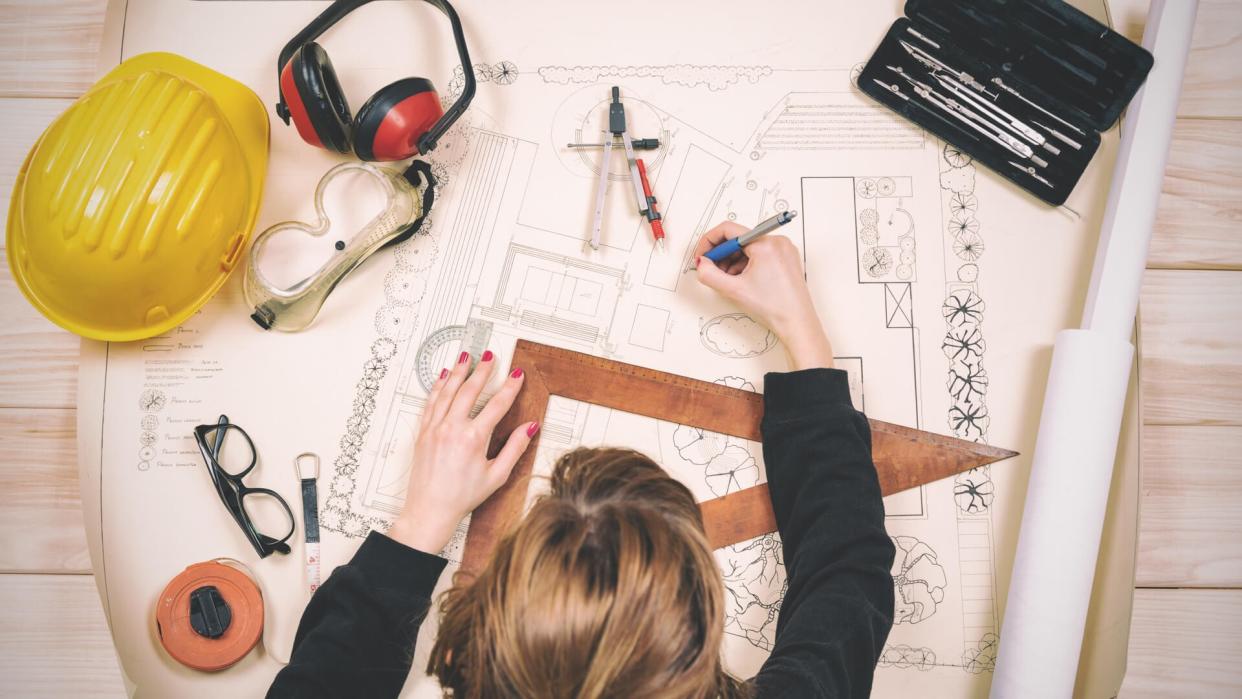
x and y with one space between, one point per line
607 588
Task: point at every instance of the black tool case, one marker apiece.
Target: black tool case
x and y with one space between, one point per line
1060 74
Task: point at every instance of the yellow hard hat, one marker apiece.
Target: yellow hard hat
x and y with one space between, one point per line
134 206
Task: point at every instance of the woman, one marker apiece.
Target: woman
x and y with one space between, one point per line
607 588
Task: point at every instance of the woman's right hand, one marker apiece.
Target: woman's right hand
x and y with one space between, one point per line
767 281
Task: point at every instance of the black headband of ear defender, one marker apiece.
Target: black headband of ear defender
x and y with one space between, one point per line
336 11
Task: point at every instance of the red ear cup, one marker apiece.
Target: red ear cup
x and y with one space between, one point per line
389 125
316 102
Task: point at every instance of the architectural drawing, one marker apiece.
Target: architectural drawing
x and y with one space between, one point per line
898 237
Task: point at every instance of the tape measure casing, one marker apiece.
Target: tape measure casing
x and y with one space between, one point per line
187 646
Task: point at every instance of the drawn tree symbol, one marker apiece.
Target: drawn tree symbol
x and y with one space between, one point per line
869 235
968 246
867 217
981 658
969 420
964 344
483 72
905 657
877 261
963 307
963 223
505 73
963 202
969 384
885 187
866 189
755 585
955 157
973 491
918 580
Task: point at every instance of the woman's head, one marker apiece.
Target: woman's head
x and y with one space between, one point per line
607 588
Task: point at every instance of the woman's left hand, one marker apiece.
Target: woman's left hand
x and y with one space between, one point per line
450 474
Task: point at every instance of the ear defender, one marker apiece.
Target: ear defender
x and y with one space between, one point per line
315 100
388 127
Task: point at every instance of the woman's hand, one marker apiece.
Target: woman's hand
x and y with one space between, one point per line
767 281
451 474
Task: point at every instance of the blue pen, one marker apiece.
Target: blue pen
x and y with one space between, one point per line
728 247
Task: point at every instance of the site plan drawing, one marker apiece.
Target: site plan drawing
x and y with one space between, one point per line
925 269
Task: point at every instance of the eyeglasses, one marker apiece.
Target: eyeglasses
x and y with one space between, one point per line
227 469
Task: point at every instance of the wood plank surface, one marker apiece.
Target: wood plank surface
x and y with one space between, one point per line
38 360
1185 644
1190 528
41 520
1192 347
54 641
1200 217
49 48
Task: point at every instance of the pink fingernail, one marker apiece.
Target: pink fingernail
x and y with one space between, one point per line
464 356
487 356
443 373
530 431
517 374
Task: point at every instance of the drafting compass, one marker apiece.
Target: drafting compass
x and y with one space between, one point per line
638 174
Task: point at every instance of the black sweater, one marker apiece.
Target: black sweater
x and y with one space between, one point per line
357 635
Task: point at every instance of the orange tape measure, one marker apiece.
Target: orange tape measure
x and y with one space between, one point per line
210 616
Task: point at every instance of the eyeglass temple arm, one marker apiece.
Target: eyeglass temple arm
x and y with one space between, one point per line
215 448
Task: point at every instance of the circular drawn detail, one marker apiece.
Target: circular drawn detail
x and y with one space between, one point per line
755 155
866 189
869 236
906 258
150 422
147 438
963 202
904 272
152 400
483 72
505 73
961 307
751 185
403 288
781 205
396 324
383 349
732 216
955 157
903 657
968 273
455 86
973 491
144 465
419 252
885 187
906 243
868 217
146 453
968 247
963 223
877 262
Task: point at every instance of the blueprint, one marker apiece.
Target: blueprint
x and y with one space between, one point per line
940 285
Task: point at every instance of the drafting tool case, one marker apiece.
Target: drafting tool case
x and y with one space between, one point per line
967 70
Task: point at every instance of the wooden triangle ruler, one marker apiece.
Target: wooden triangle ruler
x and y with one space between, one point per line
904 457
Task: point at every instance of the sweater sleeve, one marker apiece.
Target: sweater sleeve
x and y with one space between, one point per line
356 637
838 608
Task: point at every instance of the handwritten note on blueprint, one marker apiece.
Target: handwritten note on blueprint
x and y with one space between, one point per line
940 285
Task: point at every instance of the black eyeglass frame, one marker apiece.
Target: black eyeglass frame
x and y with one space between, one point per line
233 491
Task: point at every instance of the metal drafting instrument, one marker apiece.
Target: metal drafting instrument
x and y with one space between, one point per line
971 118
1001 84
904 457
1030 171
638 143
999 115
616 127
306 466
932 62
732 245
652 213
1064 139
